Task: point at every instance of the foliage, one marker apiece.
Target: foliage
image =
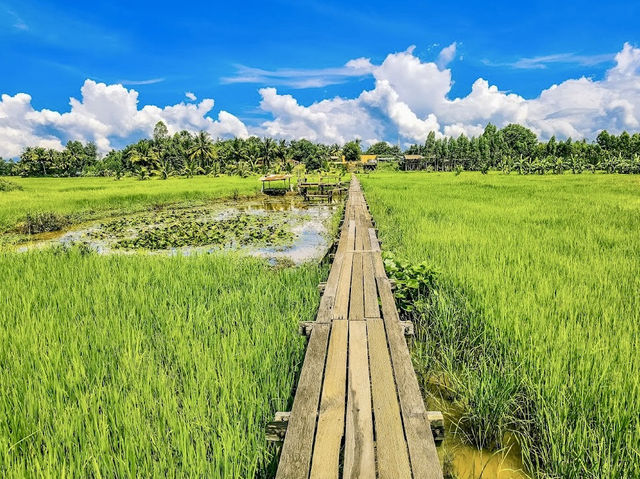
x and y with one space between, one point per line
6 167
537 316
191 154
516 147
193 227
352 151
413 282
382 148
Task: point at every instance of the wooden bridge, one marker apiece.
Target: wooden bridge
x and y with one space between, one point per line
358 411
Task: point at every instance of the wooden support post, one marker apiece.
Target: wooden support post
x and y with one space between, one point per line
408 328
277 429
436 420
305 328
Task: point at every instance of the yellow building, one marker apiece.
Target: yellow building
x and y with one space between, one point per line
368 158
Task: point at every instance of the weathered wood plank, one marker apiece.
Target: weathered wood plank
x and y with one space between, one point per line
391 448
420 442
359 456
371 309
330 430
387 301
341 307
295 458
378 264
327 302
356 304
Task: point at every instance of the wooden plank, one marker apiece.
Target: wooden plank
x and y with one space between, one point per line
356 305
341 307
371 309
388 302
393 458
378 264
295 458
359 456
422 448
327 301
330 430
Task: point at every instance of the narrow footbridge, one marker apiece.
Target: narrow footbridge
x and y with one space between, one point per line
358 411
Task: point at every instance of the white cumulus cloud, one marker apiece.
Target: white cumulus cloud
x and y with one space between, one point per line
104 113
447 54
412 97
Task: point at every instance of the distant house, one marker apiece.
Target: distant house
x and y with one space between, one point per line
413 162
369 162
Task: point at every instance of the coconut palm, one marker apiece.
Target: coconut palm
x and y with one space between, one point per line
203 149
191 167
268 153
164 168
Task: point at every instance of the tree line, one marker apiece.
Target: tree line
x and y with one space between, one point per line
513 148
516 148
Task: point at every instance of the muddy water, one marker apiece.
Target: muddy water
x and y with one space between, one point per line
462 461
275 228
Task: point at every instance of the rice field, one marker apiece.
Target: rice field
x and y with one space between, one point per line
86 197
139 366
534 328
143 365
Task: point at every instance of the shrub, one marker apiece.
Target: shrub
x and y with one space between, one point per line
42 222
414 282
9 185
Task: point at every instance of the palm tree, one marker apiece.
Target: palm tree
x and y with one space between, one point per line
268 153
143 155
164 168
190 167
203 149
253 156
237 152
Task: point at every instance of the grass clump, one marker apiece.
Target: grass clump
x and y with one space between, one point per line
534 328
6 185
43 222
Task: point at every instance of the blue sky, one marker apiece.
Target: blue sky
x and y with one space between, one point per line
162 50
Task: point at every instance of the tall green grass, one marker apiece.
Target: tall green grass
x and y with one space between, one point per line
537 318
89 196
141 366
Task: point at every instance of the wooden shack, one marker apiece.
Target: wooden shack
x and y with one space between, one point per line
276 184
413 162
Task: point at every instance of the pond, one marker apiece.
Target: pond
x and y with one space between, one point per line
276 228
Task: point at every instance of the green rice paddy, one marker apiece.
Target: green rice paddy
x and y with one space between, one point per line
534 327
144 365
86 197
